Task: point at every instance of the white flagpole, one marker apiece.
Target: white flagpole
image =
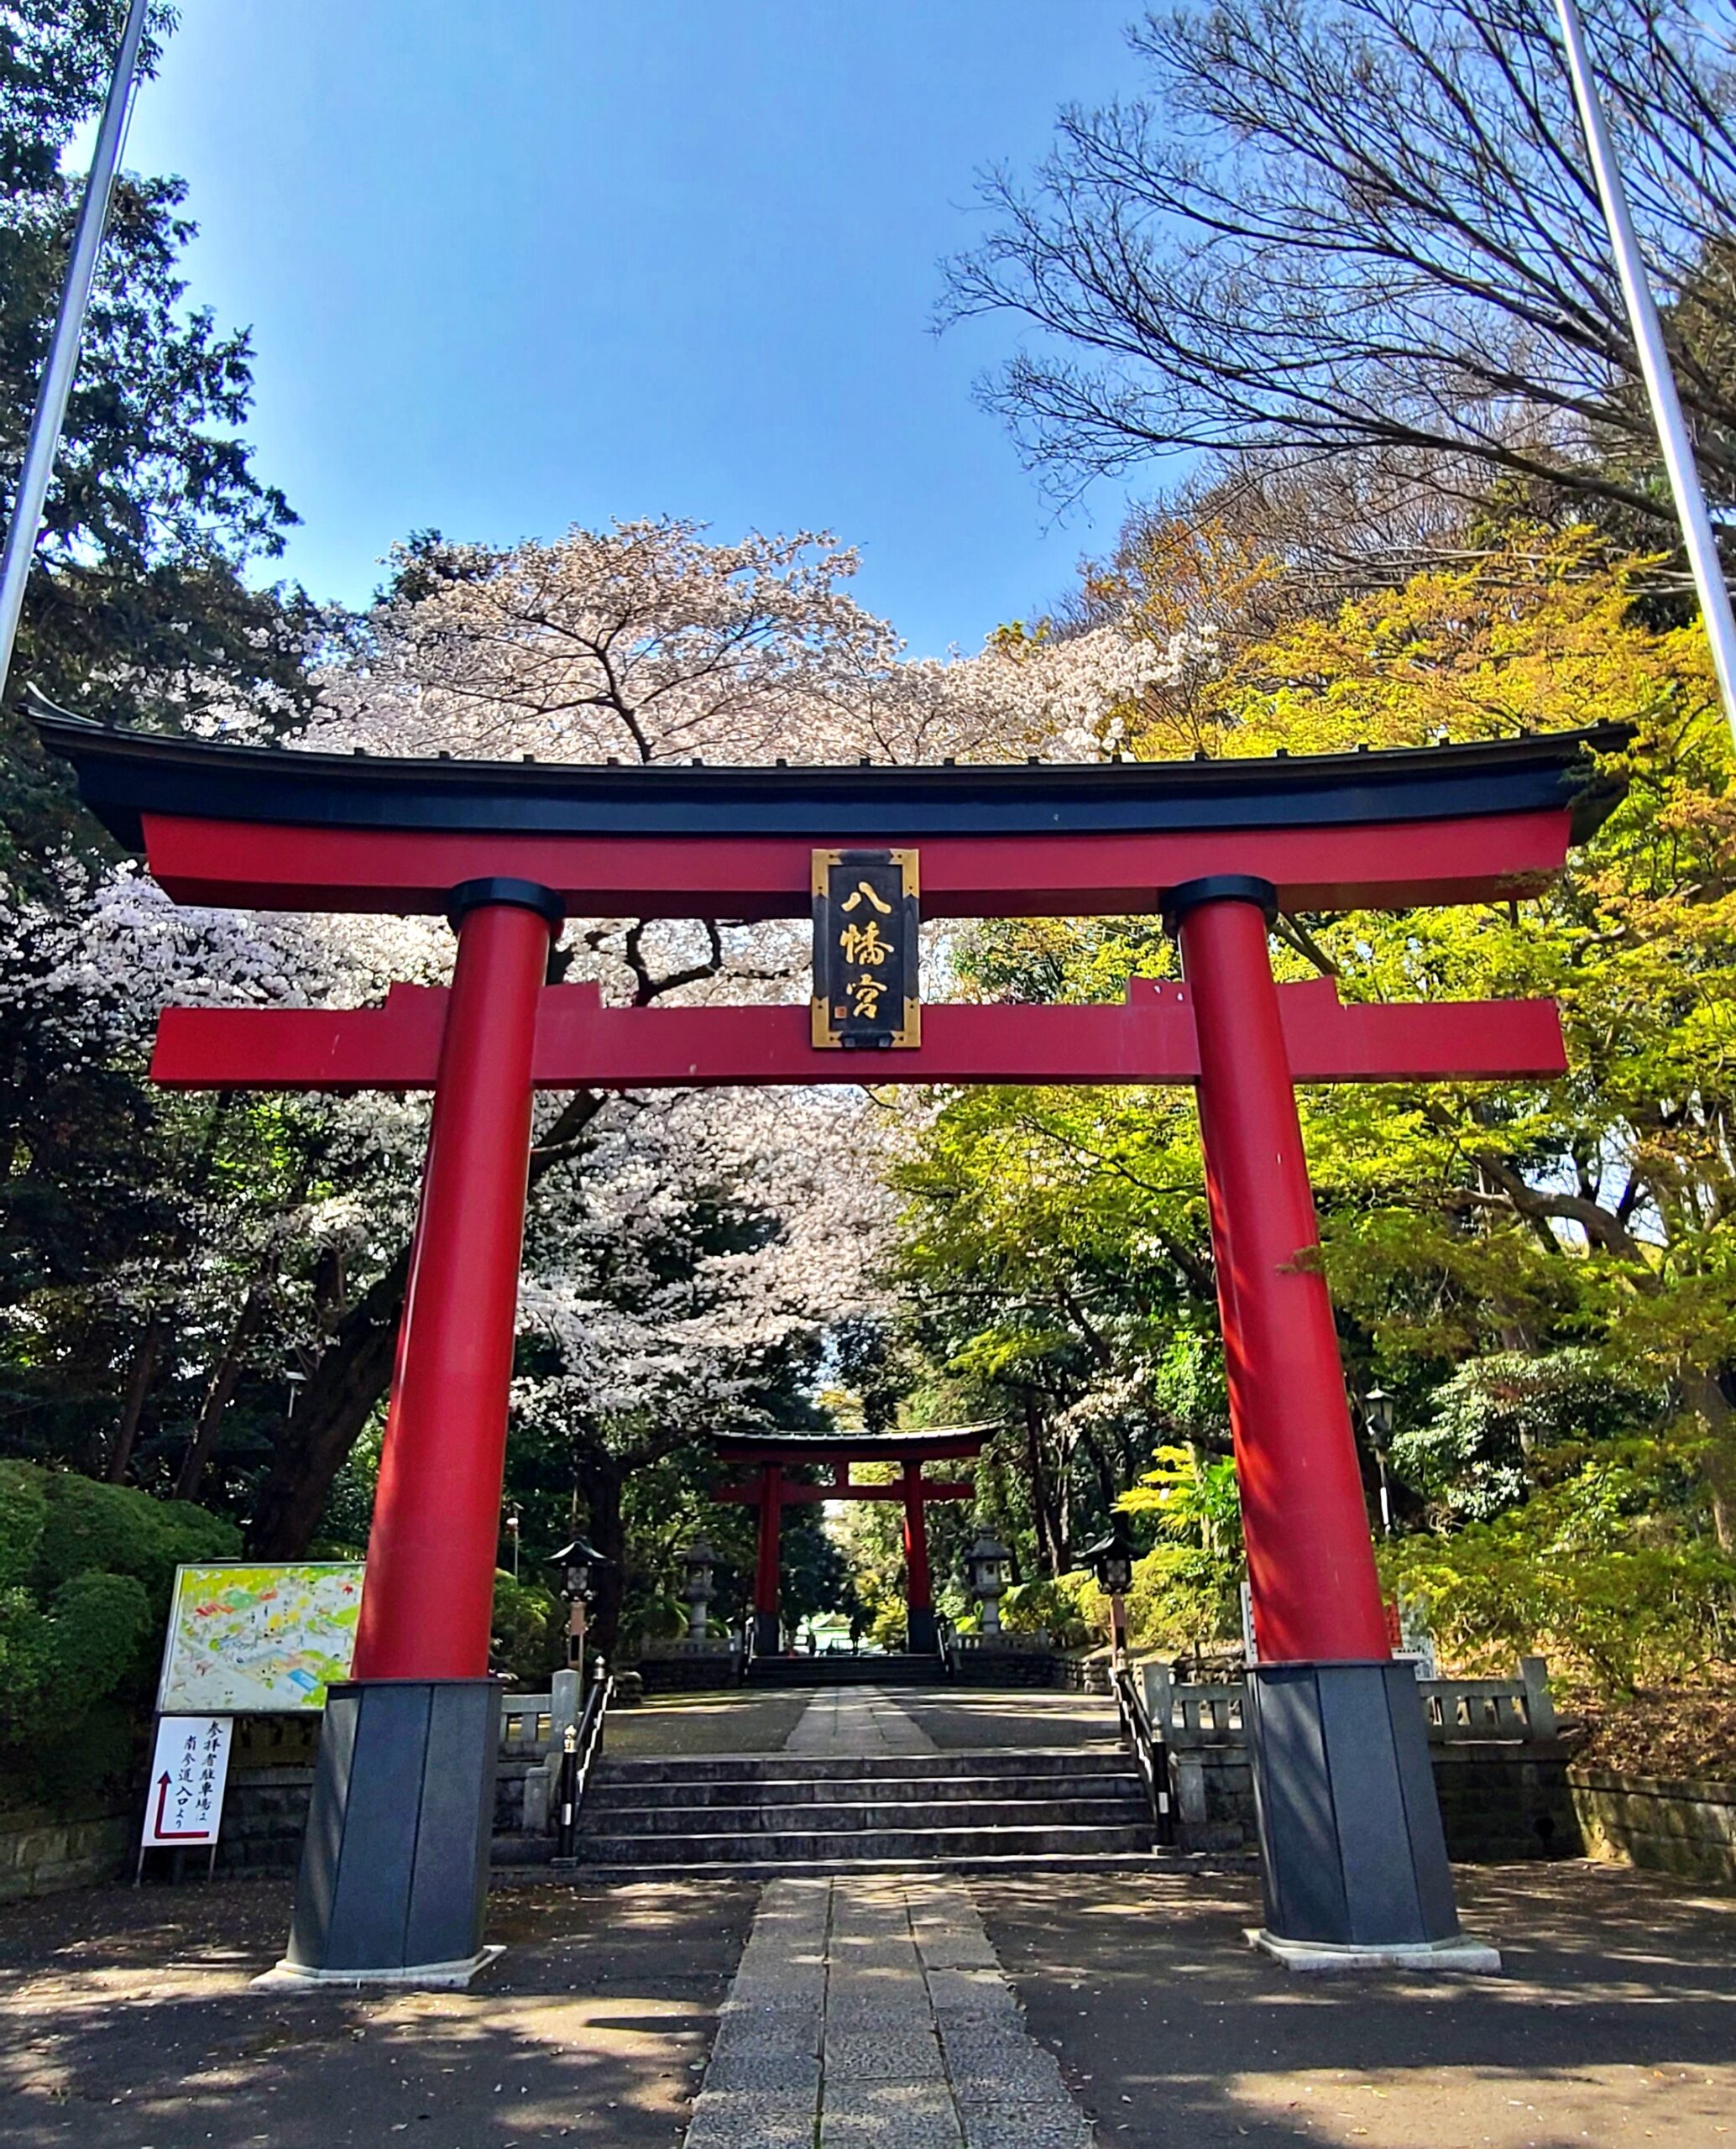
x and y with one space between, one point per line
44 441
1654 365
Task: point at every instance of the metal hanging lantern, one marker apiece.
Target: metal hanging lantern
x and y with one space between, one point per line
1111 1559
575 1564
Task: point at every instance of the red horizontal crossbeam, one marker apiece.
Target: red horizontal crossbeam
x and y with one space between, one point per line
1472 859
582 1044
942 1488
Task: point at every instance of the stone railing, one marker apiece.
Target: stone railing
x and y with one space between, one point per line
533 1730
1455 1710
1497 1762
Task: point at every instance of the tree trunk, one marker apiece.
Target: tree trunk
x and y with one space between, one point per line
1050 1550
601 1478
352 1376
1704 1394
225 1376
139 1381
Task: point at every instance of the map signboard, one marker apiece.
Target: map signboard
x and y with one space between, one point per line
248 1639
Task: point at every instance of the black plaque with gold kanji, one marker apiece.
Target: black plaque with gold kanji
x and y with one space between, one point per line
865 950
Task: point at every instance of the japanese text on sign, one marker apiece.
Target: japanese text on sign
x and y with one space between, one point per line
189 1767
866 955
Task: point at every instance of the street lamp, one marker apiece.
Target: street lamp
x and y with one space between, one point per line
697 1564
1111 1559
512 1533
988 1568
1377 1410
573 1564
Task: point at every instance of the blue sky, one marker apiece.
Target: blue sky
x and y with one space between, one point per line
514 263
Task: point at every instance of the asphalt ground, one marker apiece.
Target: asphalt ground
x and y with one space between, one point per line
1614 2023
127 2021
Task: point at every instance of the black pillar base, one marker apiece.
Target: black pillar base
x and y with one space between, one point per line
394 1864
922 1636
1352 1851
767 1638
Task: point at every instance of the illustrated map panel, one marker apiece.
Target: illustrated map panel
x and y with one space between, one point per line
257 1639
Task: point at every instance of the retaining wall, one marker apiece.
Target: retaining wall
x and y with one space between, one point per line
40 1853
1669 1825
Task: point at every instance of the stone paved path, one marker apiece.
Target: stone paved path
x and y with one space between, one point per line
873 2008
856 1720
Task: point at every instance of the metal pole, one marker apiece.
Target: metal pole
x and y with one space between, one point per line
45 440
1655 366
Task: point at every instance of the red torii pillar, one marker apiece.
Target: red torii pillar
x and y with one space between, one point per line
1353 1851
409 1743
768 1625
922 1637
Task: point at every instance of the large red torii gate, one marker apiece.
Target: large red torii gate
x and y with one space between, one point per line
395 1863
770 1456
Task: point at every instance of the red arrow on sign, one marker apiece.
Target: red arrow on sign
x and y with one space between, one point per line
163 1835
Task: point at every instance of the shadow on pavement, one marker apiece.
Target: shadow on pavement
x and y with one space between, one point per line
127 2023
1615 2019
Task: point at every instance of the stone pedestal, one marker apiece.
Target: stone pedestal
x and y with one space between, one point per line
1352 1855
922 1636
395 1865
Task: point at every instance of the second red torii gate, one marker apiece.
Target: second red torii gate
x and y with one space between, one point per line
770 1456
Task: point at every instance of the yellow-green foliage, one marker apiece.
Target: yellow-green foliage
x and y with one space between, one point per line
1601 1570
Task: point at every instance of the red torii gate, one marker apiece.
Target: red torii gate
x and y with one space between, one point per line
771 1456
395 1857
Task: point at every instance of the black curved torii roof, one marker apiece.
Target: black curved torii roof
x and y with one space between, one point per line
123 775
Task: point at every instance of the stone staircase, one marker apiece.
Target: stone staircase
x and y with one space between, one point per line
799 1671
791 1812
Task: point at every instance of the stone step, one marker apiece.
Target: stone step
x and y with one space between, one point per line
1048 1762
875 1817
845 1671
537 1865
856 1846
711 1794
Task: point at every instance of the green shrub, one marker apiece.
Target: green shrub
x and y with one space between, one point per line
58 1663
24 1511
1608 1572
527 1639
1069 1606
113 1530
86 1571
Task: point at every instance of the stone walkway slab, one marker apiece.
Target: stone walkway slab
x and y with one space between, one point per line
857 1721
870 2013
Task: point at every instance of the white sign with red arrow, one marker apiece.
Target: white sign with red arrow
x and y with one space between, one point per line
189 1770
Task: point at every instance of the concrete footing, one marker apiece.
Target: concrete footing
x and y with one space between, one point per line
1320 1958
1352 1851
394 1864
416 1977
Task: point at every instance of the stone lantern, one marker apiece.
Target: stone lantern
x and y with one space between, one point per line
988 1570
697 1589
